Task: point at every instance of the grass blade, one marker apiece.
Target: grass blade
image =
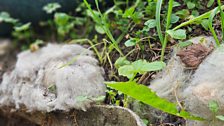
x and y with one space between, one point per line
101 19
222 18
212 15
158 25
170 8
199 18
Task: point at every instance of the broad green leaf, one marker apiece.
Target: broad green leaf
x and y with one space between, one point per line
185 44
99 29
150 9
205 24
127 71
213 106
174 18
121 61
61 18
131 42
146 122
94 15
183 13
178 34
147 96
5 17
176 4
190 5
195 13
64 29
129 12
151 23
210 3
137 17
22 27
51 7
153 66
220 117
140 66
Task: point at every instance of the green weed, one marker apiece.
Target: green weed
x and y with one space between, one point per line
145 95
141 92
101 20
164 43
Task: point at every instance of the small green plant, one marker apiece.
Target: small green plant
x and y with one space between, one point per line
102 21
214 107
206 20
23 32
130 70
36 45
141 92
176 34
133 41
64 23
196 19
51 7
5 17
145 95
194 6
132 14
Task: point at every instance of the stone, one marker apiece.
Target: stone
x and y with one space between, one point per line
96 115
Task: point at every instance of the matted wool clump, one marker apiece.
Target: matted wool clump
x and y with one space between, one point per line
56 77
195 88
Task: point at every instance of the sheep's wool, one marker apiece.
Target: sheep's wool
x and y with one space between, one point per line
195 89
56 77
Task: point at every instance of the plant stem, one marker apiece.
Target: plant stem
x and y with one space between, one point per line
158 25
170 8
103 24
212 15
92 46
222 18
191 21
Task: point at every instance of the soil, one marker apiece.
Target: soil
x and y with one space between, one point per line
193 55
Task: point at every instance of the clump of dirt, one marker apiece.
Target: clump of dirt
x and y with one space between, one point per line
193 55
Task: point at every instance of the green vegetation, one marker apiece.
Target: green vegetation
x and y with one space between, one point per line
144 94
214 108
128 38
